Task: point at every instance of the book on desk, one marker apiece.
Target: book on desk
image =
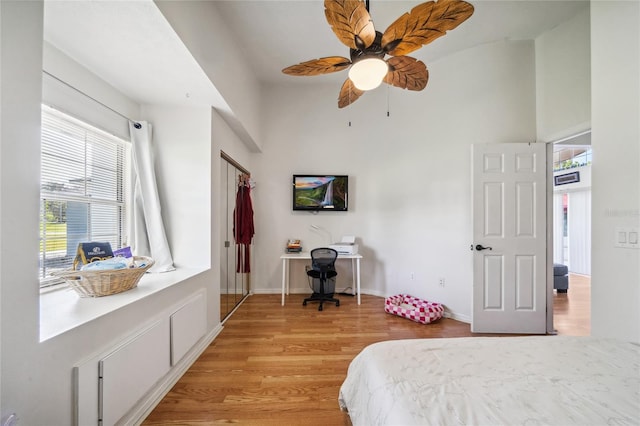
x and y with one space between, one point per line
293 246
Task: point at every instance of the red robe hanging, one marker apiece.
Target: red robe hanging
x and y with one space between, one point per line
243 227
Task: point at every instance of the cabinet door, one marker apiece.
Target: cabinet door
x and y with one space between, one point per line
128 372
188 325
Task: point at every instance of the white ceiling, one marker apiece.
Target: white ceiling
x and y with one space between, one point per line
121 41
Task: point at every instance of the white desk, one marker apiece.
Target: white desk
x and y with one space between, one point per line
355 268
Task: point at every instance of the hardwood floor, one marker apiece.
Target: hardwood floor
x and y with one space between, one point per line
283 365
572 310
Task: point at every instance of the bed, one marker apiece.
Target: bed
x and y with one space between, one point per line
536 380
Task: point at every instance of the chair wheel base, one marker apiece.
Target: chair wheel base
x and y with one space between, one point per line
316 297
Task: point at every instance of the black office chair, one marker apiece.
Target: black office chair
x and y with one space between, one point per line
322 268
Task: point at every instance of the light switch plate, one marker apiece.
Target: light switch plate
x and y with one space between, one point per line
627 238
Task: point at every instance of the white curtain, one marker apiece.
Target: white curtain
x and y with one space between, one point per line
558 229
146 233
579 232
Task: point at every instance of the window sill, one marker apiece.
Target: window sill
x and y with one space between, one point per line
63 310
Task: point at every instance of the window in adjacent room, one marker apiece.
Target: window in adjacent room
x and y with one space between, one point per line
83 187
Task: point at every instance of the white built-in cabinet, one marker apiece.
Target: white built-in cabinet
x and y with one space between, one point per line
110 385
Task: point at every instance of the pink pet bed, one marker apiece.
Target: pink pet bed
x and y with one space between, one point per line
412 308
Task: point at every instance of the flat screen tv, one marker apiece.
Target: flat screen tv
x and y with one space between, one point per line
321 192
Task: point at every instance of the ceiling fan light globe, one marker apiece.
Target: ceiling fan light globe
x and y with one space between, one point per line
367 74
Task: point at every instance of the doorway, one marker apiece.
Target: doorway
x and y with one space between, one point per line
572 159
234 282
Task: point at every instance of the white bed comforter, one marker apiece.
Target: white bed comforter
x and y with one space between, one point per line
537 380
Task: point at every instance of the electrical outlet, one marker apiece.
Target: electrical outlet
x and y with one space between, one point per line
441 282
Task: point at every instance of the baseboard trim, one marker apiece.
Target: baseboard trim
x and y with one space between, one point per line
303 290
145 406
447 314
457 317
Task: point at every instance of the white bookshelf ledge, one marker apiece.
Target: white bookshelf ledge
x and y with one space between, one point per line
63 310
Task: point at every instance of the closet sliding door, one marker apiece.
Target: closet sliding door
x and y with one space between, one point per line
234 286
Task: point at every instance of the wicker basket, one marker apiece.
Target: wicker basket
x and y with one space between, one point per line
107 282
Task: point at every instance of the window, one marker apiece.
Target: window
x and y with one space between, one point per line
570 156
83 188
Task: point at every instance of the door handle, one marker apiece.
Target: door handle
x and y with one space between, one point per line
481 247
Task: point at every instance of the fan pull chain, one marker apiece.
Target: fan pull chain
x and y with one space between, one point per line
388 90
349 104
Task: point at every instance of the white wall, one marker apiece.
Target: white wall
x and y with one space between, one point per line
563 79
409 174
225 139
36 376
615 67
183 160
205 34
20 86
63 98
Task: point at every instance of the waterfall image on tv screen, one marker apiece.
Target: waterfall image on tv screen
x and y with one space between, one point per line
320 192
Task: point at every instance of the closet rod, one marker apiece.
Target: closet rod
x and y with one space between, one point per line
135 123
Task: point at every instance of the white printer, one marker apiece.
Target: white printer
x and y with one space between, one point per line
346 246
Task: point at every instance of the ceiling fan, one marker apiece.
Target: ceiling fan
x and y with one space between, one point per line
351 22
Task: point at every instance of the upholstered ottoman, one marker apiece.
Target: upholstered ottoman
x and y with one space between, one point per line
560 277
412 308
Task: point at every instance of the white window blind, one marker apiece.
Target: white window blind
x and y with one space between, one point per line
83 188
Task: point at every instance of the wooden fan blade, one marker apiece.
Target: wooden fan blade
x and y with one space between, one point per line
351 22
348 94
425 23
318 66
407 73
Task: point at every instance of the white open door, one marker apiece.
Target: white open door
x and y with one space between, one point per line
509 238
